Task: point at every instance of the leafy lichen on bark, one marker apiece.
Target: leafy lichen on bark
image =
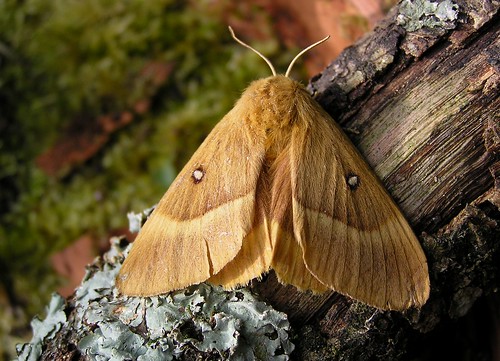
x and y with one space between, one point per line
201 321
416 14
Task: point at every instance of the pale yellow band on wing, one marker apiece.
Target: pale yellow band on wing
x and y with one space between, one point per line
251 262
384 267
182 253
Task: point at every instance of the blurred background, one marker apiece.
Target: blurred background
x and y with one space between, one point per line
102 103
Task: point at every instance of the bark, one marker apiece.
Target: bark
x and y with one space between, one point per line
419 97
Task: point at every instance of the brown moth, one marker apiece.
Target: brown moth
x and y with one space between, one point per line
277 184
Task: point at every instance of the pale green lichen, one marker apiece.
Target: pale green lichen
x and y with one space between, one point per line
136 220
44 330
231 325
417 14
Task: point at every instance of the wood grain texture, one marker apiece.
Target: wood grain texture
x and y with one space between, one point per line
421 126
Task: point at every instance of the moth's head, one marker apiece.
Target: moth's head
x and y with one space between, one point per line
267 60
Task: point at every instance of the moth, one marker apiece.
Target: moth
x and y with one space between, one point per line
277 184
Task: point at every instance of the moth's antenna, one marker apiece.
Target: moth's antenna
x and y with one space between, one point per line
302 52
258 53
